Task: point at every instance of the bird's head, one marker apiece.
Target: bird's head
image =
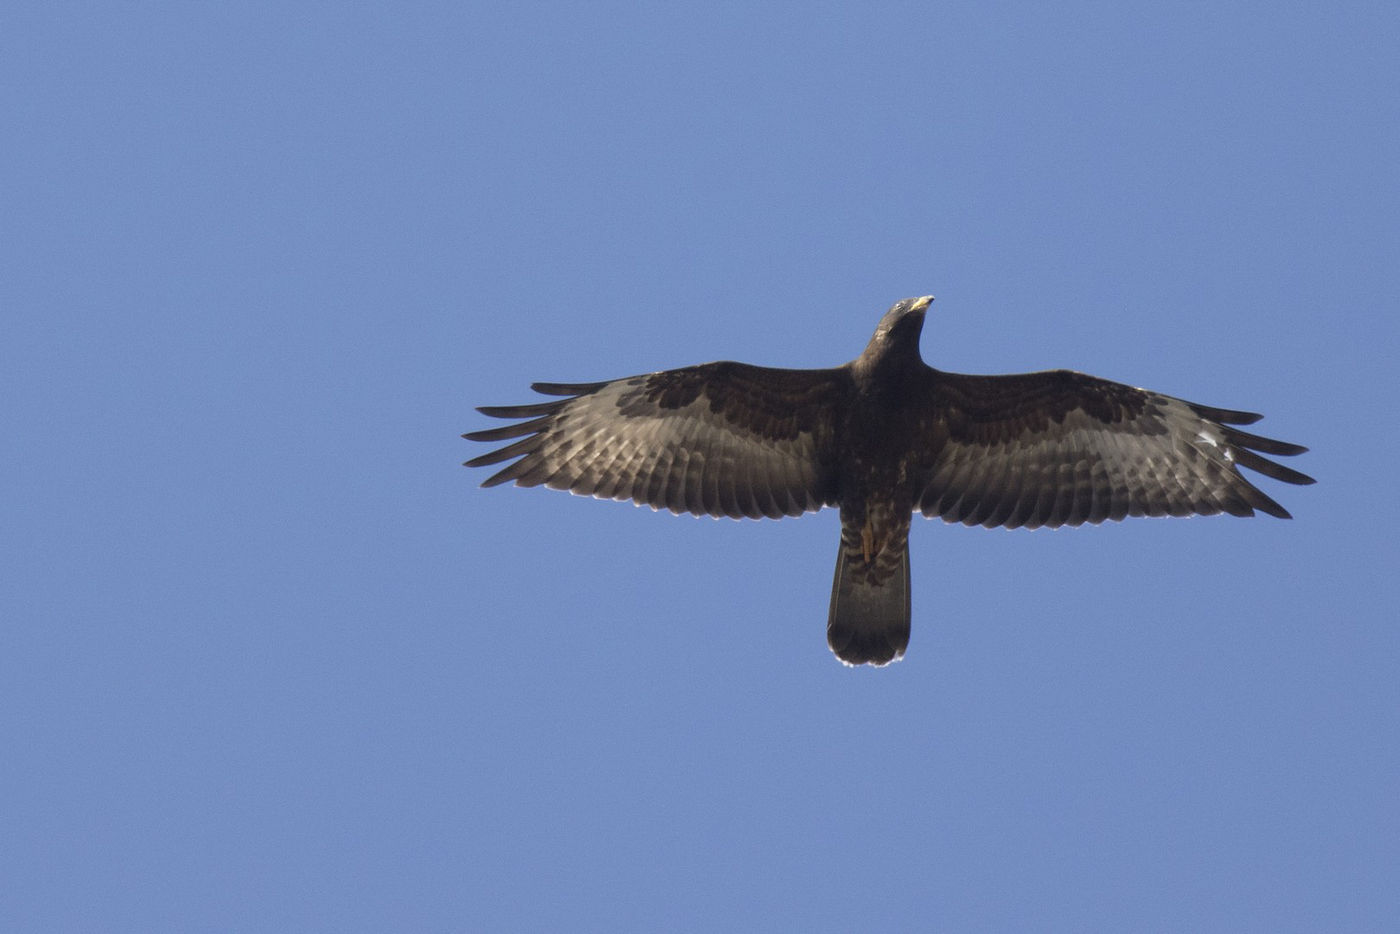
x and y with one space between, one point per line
902 324
910 310
896 338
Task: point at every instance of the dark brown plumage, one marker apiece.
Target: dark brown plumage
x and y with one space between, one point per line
883 437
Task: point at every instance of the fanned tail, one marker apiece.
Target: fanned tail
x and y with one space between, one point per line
869 622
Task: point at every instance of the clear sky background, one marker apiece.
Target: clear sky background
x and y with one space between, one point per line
270 660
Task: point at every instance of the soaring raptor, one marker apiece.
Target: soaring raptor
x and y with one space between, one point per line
881 438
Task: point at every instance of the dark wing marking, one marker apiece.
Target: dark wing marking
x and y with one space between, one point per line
1061 448
720 439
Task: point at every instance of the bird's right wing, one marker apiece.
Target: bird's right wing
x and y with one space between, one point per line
719 439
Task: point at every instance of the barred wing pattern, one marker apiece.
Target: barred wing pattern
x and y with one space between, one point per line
1062 448
719 439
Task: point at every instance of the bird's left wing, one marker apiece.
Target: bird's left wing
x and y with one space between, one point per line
1062 448
719 439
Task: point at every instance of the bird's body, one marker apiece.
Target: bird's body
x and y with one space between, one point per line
869 616
883 437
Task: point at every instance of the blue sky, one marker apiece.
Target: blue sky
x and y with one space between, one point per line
271 660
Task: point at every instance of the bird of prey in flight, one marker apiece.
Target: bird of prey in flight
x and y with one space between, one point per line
881 438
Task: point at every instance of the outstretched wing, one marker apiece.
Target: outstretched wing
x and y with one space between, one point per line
1061 448
720 439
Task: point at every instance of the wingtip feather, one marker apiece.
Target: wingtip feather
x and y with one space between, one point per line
566 389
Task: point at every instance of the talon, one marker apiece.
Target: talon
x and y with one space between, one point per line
867 541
